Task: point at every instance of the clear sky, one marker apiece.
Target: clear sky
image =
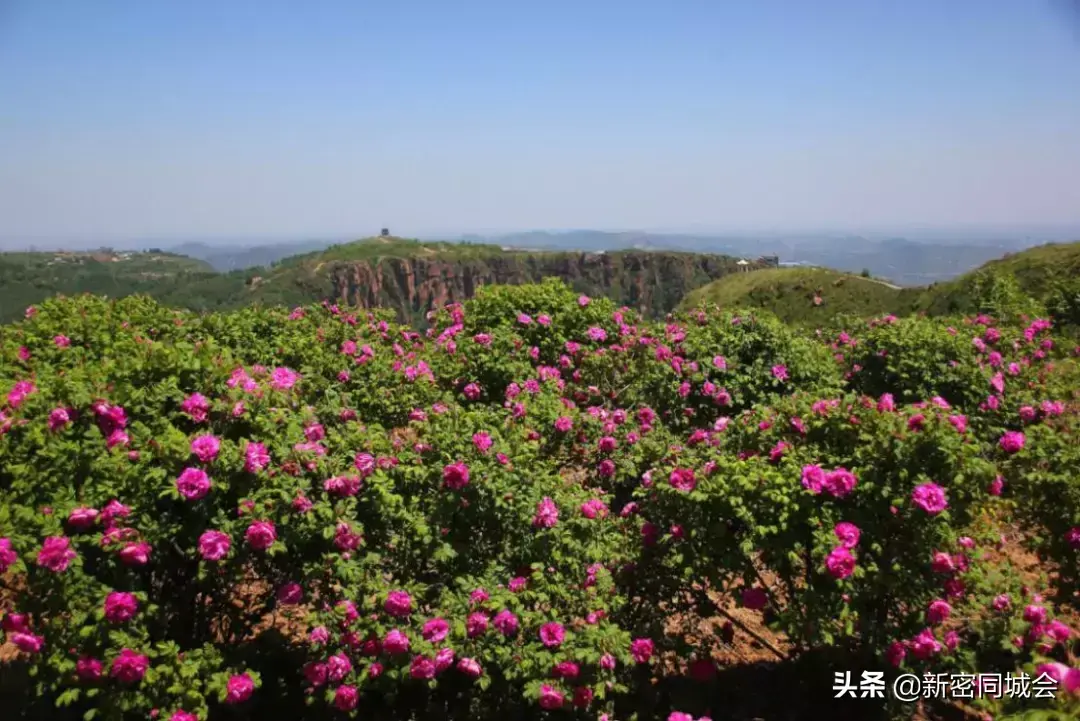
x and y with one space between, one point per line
279 118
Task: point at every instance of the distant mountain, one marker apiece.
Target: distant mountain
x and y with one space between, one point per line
905 262
238 257
414 277
920 258
409 276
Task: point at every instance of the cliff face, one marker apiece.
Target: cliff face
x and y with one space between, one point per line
653 283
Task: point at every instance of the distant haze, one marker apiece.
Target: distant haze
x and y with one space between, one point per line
129 121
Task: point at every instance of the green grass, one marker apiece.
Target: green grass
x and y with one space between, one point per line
1040 272
374 249
28 278
1037 271
789 293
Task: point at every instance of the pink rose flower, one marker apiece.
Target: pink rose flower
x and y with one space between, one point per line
214 545
206 447
551 698
8 557
641 649
476 625
895 653
26 641
1058 631
135 554
129 667
82 518
422 667
938 612
943 563
290 594
840 563
1068 679
456 476
930 497
436 629
58 418
88 668
396 642
924 645
120 607
398 604
682 479
197 407
566 670
839 482
239 688
256 457
470 667
114 509
56 554
182 715
193 484
482 441
813 478
547 514
346 698
506 622
282 379
1012 441
1035 614
260 535
847 533
551 634
444 659
338 667
594 508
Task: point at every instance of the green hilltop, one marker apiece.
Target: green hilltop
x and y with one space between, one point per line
1043 279
409 276
412 276
803 295
27 278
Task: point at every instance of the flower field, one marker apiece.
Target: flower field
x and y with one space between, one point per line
541 506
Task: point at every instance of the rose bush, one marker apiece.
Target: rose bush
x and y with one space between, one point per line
518 511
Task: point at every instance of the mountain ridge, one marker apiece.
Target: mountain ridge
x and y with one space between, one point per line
413 277
410 276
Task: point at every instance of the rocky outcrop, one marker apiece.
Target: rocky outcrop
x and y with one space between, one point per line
651 282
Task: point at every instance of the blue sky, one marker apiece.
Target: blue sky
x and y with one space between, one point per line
276 118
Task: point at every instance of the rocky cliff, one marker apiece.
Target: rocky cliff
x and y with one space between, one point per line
651 282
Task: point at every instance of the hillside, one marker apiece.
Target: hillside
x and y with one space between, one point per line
929 258
413 277
1048 273
27 278
803 295
409 276
229 257
1044 279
